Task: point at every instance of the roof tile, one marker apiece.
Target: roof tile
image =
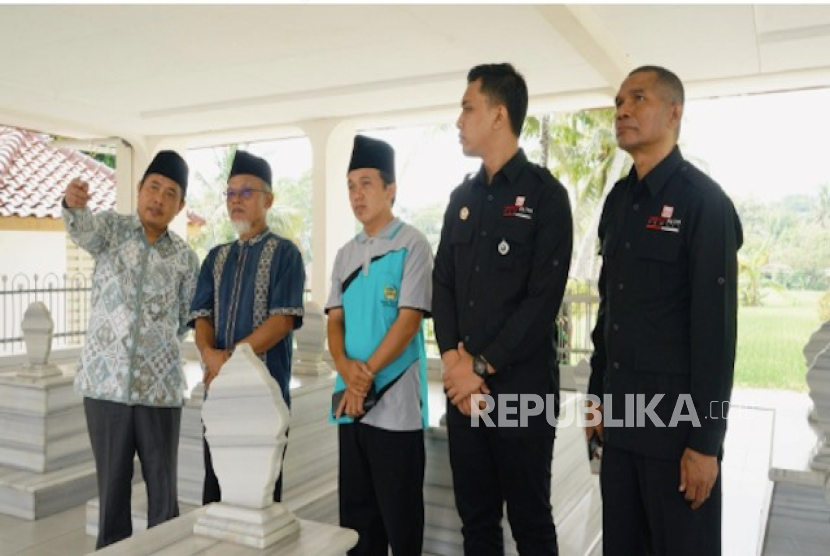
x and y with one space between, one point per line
33 175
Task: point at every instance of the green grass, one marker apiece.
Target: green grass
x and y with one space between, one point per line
771 339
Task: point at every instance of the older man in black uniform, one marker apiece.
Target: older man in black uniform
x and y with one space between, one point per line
499 277
666 326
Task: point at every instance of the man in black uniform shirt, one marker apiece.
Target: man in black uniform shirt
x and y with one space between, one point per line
499 277
666 325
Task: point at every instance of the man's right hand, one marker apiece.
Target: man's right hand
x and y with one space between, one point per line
76 195
213 359
449 359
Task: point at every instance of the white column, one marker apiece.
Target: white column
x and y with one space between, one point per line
132 158
332 219
125 191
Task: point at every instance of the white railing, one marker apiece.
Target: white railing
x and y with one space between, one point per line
66 297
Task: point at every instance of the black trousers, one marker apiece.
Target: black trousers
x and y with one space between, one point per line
381 488
117 432
212 492
644 513
491 467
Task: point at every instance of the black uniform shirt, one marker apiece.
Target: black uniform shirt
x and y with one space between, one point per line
500 273
668 303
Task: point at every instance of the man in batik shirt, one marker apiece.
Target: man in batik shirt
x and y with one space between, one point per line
250 291
130 373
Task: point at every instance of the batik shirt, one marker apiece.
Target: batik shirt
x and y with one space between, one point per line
373 278
242 284
141 293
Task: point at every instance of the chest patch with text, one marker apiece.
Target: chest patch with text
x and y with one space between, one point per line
663 224
518 209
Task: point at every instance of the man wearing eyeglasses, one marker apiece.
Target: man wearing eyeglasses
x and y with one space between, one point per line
250 291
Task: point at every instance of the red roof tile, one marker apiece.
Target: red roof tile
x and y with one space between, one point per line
33 175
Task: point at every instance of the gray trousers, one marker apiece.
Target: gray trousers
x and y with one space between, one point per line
117 432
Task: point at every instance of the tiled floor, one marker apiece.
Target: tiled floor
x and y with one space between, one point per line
61 534
745 481
746 487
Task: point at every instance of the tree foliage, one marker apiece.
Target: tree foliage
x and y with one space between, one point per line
427 219
580 149
785 245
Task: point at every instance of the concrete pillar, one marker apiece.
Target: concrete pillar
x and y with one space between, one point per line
131 161
332 219
125 192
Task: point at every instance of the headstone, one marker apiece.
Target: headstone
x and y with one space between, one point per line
309 468
246 420
817 342
46 463
800 467
308 357
818 379
191 465
37 327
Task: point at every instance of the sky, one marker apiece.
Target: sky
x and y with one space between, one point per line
766 146
761 146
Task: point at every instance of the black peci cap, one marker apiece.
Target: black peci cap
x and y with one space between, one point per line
246 163
170 165
373 153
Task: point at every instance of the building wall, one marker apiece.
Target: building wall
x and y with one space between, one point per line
25 253
32 252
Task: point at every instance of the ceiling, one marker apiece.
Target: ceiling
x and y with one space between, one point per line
139 71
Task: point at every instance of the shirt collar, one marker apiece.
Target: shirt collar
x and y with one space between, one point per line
138 227
388 231
660 174
256 239
136 222
511 170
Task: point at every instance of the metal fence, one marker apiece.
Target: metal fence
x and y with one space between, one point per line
66 297
576 322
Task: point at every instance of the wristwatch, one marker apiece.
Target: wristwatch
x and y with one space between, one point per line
480 366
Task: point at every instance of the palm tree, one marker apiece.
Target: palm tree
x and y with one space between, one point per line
751 280
580 149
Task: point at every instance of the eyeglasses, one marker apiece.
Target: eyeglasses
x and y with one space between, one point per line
244 193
